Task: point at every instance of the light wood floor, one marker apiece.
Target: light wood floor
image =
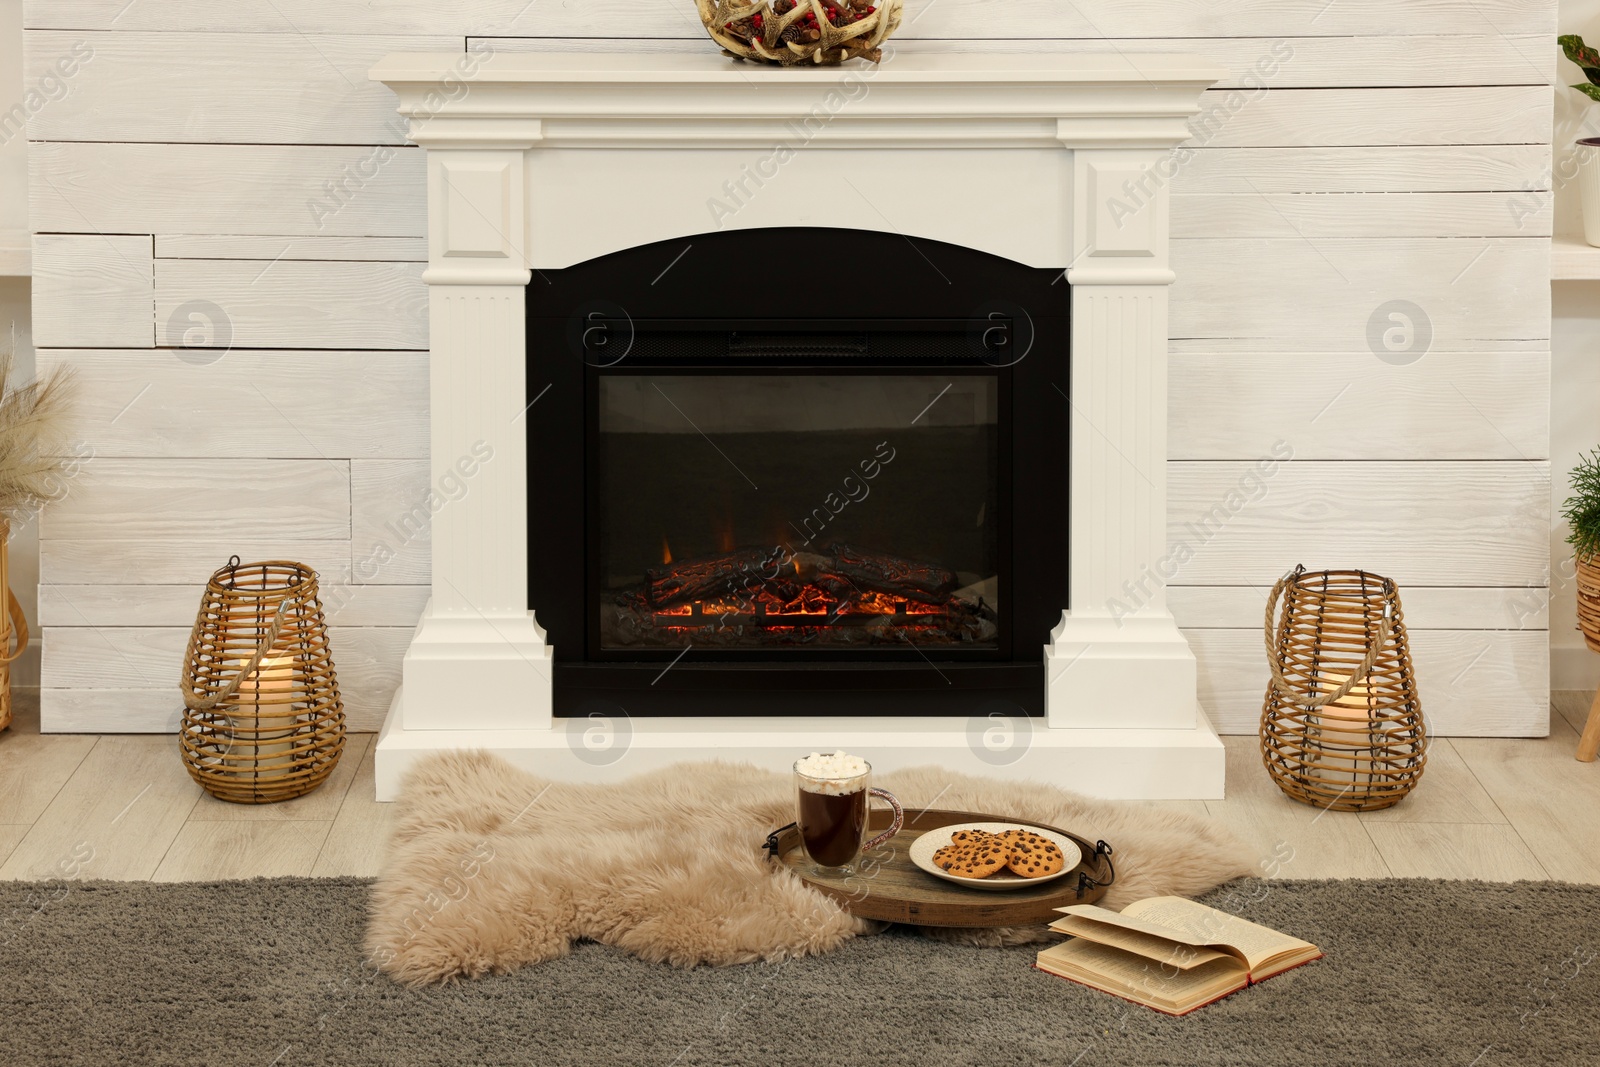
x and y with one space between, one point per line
121 806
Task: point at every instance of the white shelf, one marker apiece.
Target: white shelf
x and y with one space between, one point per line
16 254
1572 258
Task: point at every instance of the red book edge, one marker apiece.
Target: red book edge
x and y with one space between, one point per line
1178 1014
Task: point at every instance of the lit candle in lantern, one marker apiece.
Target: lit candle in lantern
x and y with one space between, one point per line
1344 727
1354 710
266 709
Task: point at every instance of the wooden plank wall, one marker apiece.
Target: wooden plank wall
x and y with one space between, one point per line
1363 152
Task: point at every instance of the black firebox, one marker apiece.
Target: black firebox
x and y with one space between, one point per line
798 472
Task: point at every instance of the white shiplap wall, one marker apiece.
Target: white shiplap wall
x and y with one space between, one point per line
1398 152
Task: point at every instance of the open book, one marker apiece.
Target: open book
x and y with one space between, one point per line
1169 953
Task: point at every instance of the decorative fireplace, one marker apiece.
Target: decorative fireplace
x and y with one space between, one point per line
808 496
543 169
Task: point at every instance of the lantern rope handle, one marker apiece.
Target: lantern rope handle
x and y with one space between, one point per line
1281 683
194 702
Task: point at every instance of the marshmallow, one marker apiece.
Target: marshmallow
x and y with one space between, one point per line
837 772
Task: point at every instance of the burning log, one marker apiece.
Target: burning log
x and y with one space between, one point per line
842 596
879 572
734 574
843 572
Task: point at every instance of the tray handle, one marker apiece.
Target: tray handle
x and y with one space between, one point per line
772 840
1103 851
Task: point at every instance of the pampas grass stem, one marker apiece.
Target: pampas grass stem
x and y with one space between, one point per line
33 434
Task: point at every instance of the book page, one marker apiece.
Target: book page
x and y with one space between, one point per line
1197 924
1161 950
1096 914
1142 980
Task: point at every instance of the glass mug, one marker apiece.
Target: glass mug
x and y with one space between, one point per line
831 815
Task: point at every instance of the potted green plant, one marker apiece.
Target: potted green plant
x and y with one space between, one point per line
1588 60
1582 512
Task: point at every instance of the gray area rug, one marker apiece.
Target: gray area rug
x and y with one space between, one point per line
269 972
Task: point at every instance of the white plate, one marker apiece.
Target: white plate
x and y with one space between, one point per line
923 848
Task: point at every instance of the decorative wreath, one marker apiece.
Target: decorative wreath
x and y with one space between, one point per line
787 32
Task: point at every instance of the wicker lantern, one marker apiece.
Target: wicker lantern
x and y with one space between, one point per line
262 716
1341 727
13 625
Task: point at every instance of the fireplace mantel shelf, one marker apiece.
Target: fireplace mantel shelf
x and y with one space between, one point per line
1055 161
431 68
966 100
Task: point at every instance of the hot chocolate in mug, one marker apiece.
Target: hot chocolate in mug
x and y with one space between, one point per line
831 794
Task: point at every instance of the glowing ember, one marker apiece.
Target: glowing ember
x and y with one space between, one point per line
841 596
813 603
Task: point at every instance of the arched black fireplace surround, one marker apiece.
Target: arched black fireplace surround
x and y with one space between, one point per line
798 471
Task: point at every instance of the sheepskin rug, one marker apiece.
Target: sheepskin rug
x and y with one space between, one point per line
491 869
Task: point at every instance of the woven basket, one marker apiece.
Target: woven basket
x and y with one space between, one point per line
756 31
1341 727
262 716
1589 601
13 626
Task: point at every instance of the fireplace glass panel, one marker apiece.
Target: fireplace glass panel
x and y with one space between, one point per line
826 510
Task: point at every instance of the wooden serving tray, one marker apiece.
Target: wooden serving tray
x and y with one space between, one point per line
890 887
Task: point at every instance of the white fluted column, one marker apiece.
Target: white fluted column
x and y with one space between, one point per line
1118 660
478 660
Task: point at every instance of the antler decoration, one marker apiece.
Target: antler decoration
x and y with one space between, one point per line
788 32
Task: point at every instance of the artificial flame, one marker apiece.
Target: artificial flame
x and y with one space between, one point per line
666 550
811 601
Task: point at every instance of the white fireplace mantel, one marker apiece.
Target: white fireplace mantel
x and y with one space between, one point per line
542 161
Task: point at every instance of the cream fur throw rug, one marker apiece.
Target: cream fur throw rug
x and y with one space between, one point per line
490 868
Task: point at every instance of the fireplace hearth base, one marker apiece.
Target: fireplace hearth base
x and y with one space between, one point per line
1117 764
